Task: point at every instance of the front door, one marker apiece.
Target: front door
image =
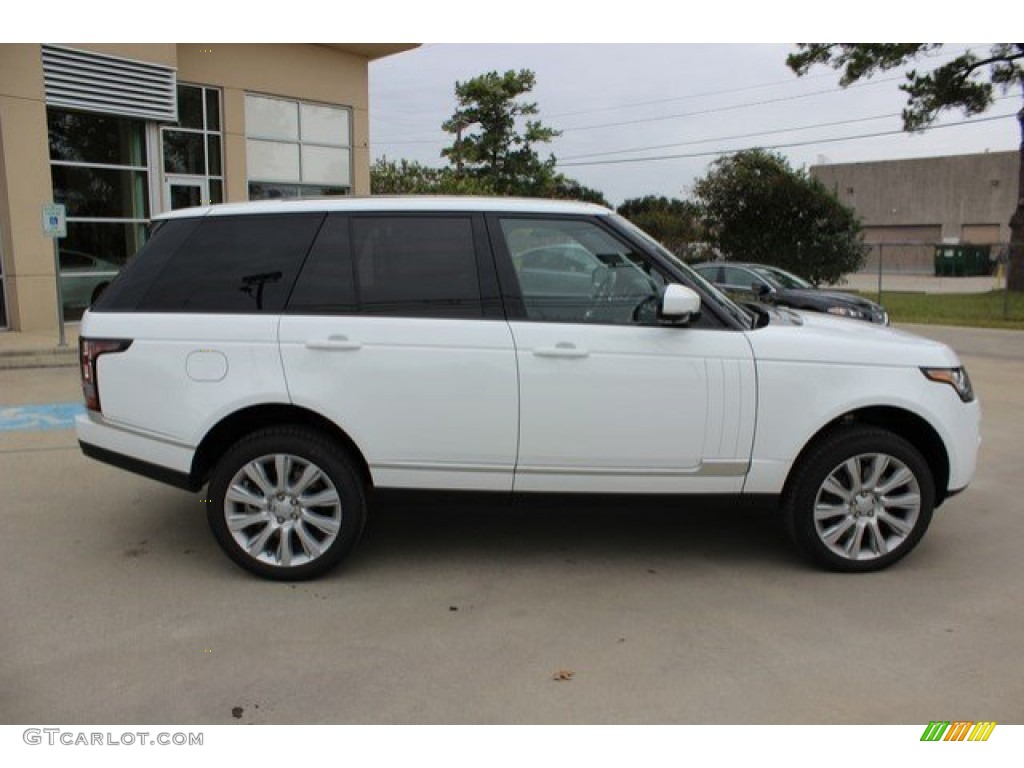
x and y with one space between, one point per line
610 400
185 192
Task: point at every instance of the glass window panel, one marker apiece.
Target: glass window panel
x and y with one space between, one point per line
259 191
212 109
216 191
271 118
272 160
213 155
100 192
107 244
184 153
416 267
190 106
325 165
87 138
235 264
310 190
325 125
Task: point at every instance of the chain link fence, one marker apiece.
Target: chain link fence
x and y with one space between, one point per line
961 284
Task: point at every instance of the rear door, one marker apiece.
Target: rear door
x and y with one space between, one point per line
395 332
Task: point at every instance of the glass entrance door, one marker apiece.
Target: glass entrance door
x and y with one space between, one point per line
185 193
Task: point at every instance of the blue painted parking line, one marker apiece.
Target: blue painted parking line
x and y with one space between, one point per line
36 418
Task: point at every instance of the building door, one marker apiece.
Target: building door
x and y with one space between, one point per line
185 192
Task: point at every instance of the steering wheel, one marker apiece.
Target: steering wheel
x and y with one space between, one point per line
604 284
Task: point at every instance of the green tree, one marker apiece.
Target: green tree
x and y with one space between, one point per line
673 223
968 83
755 207
493 141
408 177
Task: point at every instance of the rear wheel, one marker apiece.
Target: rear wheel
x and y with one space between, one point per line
860 500
286 504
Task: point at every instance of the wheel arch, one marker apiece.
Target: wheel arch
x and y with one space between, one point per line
907 424
233 427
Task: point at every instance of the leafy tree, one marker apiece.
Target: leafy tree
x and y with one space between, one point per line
968 82
673 223
492 141
405 177
755 207
564 188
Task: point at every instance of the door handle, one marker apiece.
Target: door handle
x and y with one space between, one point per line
334 342
561 349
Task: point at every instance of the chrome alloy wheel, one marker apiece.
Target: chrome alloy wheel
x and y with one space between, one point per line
282 510
867 506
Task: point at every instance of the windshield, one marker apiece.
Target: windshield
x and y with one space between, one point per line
782 278
745 318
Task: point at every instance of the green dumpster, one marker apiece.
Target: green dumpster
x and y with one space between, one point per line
962 260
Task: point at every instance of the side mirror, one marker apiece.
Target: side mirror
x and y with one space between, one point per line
679 304
761 290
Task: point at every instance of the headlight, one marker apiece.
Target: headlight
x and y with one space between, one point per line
846 312
957 378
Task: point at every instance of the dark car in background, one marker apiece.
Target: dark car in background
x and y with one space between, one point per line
777 286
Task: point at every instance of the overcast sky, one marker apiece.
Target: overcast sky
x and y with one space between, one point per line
617 101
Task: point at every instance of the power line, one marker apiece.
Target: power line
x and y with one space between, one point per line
787 145
769 132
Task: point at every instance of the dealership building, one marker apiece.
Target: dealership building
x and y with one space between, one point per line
117 133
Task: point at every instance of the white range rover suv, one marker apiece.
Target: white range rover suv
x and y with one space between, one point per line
295 356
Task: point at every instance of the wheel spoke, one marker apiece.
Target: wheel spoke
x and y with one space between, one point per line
828 511
855 543
284 548
282 467
328 525
880 545
900 477
907 501
257 544
834 534
324 498
240 495
901 527
309 474
853 469
309 544
241 522
878 467
254 471
832 486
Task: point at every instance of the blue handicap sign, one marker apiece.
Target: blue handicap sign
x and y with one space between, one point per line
36 418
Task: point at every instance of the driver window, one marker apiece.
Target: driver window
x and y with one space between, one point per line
572 271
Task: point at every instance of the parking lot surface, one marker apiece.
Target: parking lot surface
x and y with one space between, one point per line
116 605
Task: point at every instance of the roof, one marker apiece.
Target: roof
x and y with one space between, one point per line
380 203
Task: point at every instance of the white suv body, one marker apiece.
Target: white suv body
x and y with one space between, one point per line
297 354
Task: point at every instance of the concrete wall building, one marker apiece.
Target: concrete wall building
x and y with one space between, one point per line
120 132
929 200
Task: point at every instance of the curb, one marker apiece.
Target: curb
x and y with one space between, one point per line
54 357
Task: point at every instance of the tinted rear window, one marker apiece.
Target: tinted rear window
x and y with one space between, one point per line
422 266
138 275
235 264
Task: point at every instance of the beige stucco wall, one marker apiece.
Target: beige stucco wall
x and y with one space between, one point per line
331 73
31 286
949 192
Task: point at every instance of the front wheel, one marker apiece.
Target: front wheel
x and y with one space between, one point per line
860 500
286 504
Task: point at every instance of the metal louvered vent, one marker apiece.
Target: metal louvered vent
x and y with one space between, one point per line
114 86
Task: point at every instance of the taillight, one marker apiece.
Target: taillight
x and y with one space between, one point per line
89 351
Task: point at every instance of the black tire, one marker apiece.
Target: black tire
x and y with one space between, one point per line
876 525
306 503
